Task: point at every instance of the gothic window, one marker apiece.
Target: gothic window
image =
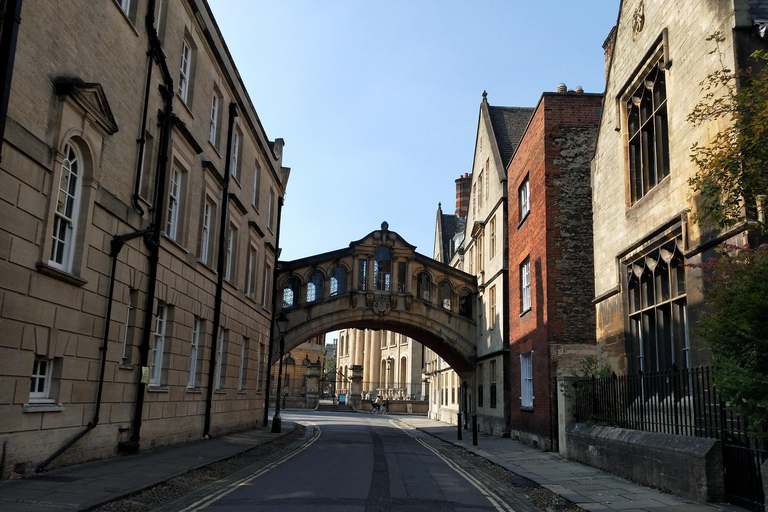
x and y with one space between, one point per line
444 292
382 268
424 286
647 130
465 304
291 293
338 281
315 287
658 317
67 208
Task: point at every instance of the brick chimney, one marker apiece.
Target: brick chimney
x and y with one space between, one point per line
608 46
463 192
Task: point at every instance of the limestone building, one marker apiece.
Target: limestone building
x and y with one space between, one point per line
298 364
647 297
140 205
550 258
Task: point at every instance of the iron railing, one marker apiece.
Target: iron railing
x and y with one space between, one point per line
391 391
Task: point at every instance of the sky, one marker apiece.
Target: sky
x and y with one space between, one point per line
378 101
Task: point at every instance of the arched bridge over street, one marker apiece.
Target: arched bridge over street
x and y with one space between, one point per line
380 282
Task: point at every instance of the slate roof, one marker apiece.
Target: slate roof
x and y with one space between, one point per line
509 124
452 224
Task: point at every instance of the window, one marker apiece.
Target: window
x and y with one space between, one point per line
658 317
524 198
493 384
147 178
270 222
382 268
235 160
444 292
315 287
206 237
492 306
125 5
184 70
362 267
158 346
647 130
479 242
291 293
256 187
259 362
129 9
526 379
266 283
195 355
492 238
401 277
221 366
338 281
423 286
67 208
40 380
465 304
525 286
174 203
213 127
130 326
231 254
241 376
250 271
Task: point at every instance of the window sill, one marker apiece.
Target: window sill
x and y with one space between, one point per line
528 408
59 274
525 312
158 389
174 242
125 366
186 107
523 219
220 391
42 407
194 390
241 391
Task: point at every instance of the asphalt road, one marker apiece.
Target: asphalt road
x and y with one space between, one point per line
355 462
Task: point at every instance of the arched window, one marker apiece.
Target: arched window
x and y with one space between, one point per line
444 293
465 304
423 286
315 287
338 281
382 268
291 293
67 207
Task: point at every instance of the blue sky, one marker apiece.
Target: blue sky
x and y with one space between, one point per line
378 101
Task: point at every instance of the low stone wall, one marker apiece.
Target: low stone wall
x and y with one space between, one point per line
686 466
295 402
420 408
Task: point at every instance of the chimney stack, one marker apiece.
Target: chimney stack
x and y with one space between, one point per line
608 46
463 192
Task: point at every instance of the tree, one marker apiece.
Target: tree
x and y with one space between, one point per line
736 330
732 167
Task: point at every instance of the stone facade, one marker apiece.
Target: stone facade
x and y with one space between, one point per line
550 258
81 165
299 365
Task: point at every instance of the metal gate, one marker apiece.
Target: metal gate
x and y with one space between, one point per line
742 457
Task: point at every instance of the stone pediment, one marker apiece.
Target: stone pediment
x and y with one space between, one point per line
384 236
89 99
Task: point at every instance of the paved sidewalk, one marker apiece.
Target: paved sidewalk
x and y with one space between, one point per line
84 486
590 488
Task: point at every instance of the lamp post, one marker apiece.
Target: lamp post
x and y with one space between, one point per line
389 373
282 324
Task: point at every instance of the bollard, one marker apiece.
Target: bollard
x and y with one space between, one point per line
474 430
458 424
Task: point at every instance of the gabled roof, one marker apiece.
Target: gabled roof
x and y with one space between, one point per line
509 124
452 225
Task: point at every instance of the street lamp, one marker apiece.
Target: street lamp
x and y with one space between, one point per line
282 325
389 373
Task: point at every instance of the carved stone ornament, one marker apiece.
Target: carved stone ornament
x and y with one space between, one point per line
382 306
369 299
393 301
408 302
352 299
638 19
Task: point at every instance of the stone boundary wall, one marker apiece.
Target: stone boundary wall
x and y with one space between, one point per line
686 466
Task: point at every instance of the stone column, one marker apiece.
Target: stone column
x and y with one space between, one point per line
352 347
355 386
376 356
359 344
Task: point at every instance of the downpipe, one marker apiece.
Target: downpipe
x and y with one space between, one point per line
274 305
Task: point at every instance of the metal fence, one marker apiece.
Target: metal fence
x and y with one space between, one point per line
390 391
682 402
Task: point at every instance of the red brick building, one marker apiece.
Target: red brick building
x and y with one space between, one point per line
552 322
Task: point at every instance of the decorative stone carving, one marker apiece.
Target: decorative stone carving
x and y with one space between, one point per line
352 299
382 306
369 299
393 301
638 19
408 302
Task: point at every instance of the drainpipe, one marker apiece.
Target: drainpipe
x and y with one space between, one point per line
116 246
223 224
11 19
274 305
154 45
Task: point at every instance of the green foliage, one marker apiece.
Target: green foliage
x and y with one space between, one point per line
736 330
591 367
732 165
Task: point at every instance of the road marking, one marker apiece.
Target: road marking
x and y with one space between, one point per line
314 433
495 500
